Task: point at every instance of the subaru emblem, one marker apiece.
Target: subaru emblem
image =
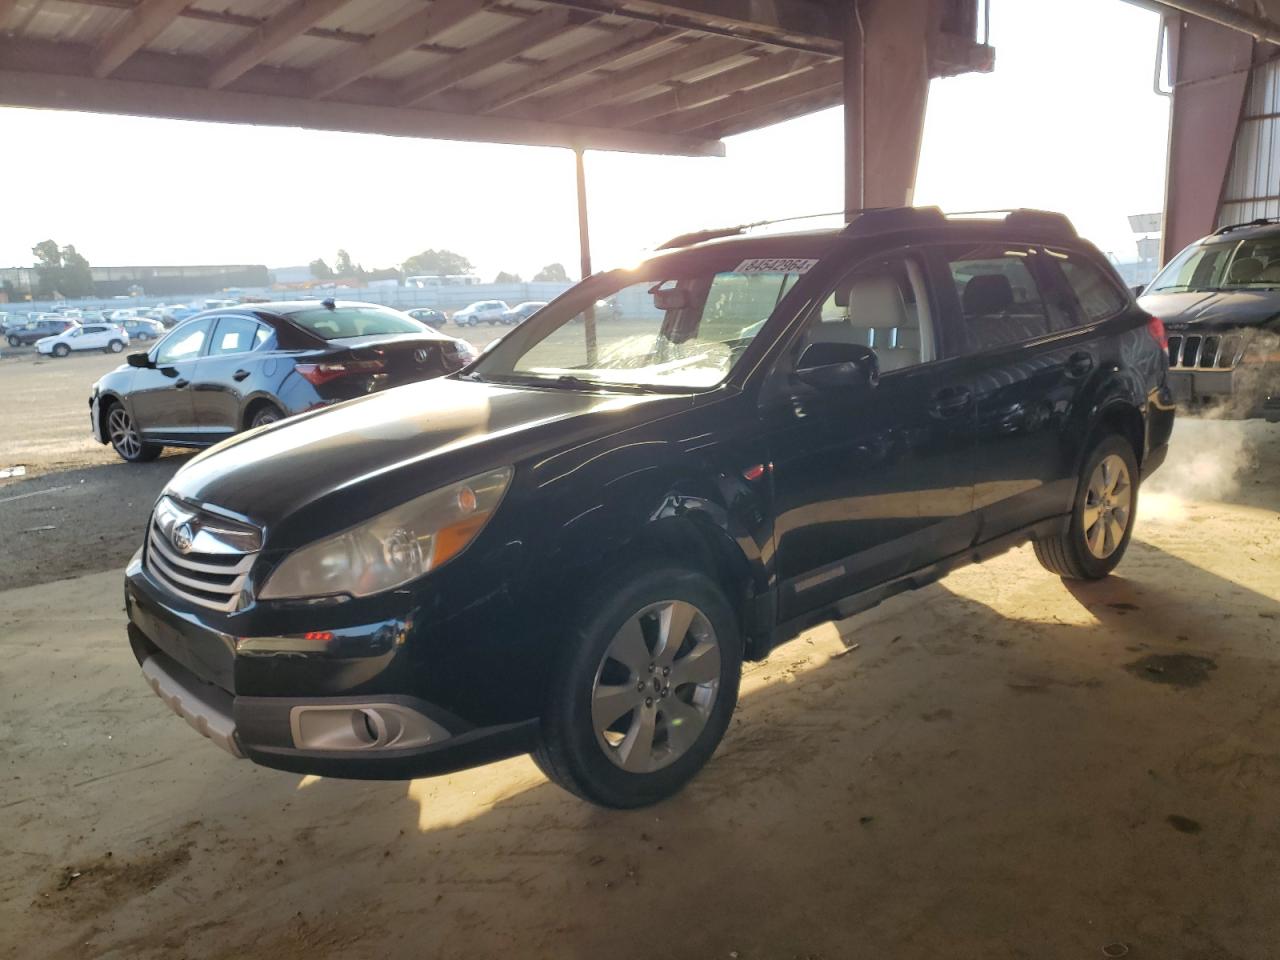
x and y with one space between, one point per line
182 537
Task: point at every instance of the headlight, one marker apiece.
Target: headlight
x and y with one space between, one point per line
394 547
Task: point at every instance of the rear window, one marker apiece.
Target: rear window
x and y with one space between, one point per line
343 322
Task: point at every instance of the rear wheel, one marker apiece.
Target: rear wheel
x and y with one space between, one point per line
1102 517
267 413
644 696
115 346
125 438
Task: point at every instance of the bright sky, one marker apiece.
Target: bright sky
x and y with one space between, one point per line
1067 121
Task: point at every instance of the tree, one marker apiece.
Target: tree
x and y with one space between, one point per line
552 271
437 263
342 265
504 277
77 279
320 270
61 272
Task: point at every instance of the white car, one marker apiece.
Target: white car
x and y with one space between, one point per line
91 336
483 311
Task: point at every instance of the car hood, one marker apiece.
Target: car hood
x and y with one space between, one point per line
1213 310
327 470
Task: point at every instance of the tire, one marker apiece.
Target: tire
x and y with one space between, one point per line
1091 548
637 759
267 413
115 346
61 350
15 342
126 441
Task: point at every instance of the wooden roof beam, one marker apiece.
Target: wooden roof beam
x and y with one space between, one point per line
759 98
291 22
819 99
573 63
396 39
140 26
700 54
686 96
149 99
502 46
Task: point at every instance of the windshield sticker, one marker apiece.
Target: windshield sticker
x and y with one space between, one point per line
777 265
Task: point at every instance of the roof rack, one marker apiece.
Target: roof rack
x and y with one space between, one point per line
689 239
1260 222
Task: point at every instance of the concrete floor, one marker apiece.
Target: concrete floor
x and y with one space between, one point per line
1003 766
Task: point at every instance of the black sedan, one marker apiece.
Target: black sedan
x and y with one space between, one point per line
522 311
429 315
230 369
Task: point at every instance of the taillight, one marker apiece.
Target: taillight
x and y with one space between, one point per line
1155 327
318 373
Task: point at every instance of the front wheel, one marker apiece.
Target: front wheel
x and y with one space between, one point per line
1102 516
125 438
61 350
644 695
15 342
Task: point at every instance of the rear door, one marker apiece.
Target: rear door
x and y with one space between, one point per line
873 483
161 396
1033 355
230 370
92 337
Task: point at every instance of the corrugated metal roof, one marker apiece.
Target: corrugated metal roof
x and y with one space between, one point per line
378 53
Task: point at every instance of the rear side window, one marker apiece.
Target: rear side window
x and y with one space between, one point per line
237 335
1094 290
1000 301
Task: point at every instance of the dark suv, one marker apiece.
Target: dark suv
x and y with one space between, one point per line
24 335
571 546
1220 302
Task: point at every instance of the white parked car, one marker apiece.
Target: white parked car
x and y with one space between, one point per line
483 311
91 336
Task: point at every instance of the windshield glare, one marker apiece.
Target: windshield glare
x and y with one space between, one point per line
663 329
1249 264
342 322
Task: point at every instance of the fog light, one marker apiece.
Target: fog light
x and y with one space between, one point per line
362 726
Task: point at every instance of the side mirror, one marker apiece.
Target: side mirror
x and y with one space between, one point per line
139 360
1138 288
830 366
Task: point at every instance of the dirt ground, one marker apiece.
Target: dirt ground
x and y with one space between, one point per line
998 766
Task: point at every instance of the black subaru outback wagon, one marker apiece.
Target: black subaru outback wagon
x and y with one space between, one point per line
571 546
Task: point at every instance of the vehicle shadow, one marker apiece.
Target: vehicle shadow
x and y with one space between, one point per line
953 777
70 522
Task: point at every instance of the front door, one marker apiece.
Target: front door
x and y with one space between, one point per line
226 373
872 482
161 396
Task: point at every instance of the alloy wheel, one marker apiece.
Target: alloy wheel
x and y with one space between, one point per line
1108 506
124 436
656 686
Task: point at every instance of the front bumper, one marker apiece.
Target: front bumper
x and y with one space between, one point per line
1241 393
367 735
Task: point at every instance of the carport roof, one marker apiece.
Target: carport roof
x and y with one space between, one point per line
637 75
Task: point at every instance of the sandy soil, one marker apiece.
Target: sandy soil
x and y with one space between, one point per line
998 766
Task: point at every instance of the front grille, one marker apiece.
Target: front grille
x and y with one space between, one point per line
1205 352
219 552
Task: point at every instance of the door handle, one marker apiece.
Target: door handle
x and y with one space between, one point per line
950 402
179 384
1079 364
239 375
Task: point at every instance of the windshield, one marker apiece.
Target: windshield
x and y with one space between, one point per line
343 322
1249 264
675 323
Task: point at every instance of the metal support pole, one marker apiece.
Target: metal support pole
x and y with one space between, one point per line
584 247
855 116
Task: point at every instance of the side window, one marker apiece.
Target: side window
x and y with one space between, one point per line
883 305
1093 289
235 335
1000 301
184 343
